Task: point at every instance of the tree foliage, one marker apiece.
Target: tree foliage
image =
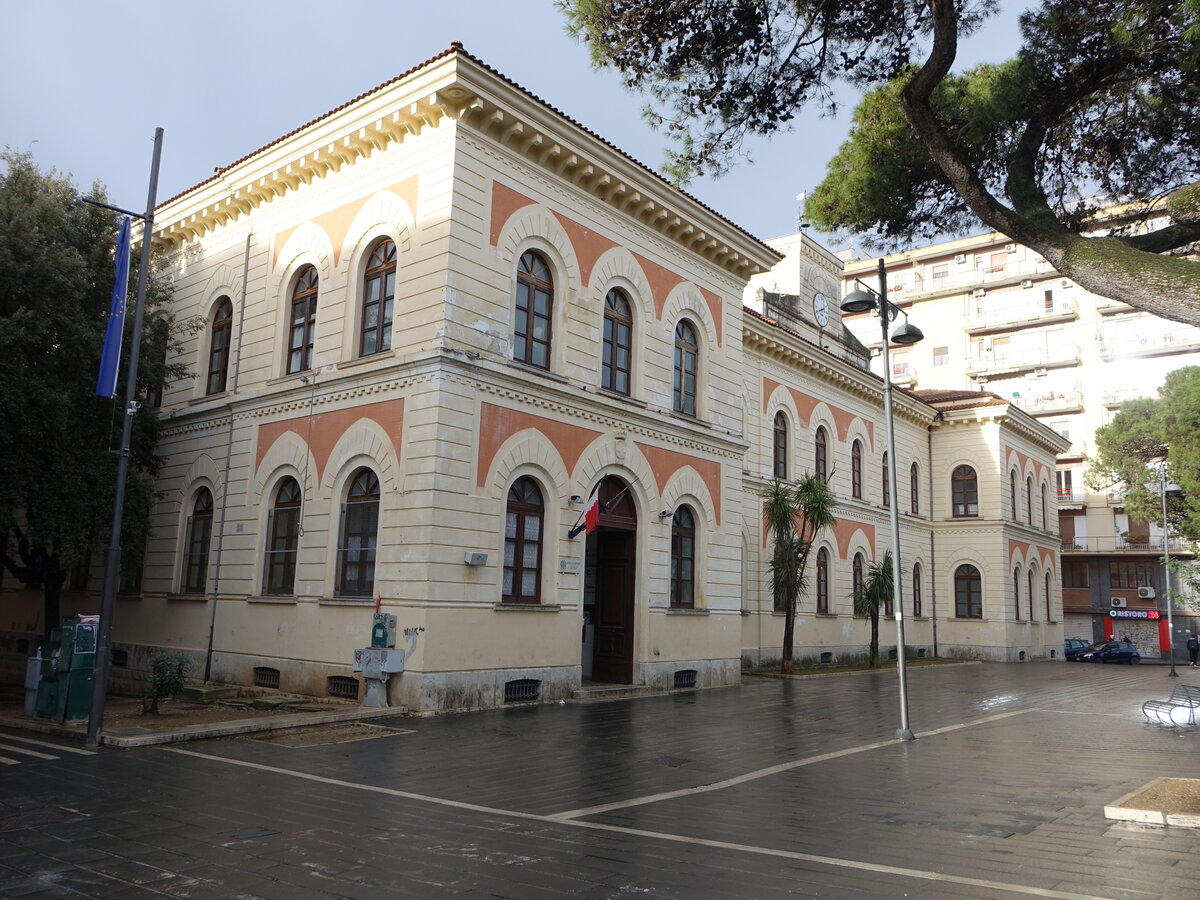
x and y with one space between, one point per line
57 459
794 515
1129 451
875 592
1100 100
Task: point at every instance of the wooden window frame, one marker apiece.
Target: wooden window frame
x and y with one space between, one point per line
856 478
283 540
686 369
197 544
779 446
914 489
964 493
359 521
968 592
683 559
220 340
303 321
376 336
533 311
618 340
887 484
821 453
822 581
916 590
525 503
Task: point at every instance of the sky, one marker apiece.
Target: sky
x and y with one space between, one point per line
83 85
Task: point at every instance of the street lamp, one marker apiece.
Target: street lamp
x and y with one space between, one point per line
1162 485
863 299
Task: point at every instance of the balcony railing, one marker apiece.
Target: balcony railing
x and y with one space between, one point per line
1050 401
1114 397
1072 496
1020 312
1118 544
1021 358
1143 340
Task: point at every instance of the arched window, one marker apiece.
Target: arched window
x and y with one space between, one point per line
218 346
379 293
821 454
1043 506
283 536
199 536
1049 617
687 352
1029 499
887 485
1030 595
916 591
303 321
1017 594
534 307
1012 493
359 533
779 447
856 469
617 354
683 559
822 580
964 490
524 515
856 574
914 489
968 592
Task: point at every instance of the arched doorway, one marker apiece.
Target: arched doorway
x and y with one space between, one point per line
611 580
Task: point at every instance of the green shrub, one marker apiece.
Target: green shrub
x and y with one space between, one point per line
167 671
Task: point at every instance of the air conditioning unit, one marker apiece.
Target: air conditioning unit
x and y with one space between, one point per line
978 292
1026 282
1118 602
960 258
1066 282
1010 248
1039 373
1146 593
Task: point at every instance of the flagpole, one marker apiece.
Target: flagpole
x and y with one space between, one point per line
112 569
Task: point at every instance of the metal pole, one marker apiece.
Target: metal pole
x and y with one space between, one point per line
1162 483
112 569
904 732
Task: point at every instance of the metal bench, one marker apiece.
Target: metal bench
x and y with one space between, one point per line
1179 709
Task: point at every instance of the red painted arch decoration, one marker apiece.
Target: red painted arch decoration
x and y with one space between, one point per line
498 423
323 430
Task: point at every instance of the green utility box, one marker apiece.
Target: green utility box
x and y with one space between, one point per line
65 689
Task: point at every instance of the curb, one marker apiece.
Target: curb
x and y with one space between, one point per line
218 729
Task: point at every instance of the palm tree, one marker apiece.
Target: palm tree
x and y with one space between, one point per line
794 515
876 590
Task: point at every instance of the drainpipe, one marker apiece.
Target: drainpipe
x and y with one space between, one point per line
237 365
932 555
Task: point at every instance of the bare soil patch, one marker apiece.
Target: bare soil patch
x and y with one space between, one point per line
319 735
1168 795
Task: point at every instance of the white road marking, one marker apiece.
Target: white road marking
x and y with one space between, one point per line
5 761
25 752
559 818
59 747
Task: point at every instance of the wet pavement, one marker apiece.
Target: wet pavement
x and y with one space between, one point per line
775 788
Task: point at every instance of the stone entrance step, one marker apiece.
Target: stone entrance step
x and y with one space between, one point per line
612 691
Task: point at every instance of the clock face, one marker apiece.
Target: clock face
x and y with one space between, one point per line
821 309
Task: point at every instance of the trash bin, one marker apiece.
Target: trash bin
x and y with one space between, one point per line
65 690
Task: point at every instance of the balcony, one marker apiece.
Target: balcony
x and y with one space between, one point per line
1119 544
1072 497
1013 360
1148 340
904 374
1018 315
1109 307
1050 402
1114 397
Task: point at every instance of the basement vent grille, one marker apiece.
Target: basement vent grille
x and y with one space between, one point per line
892 653
522 689
265 676
685 678
921 653
120 658
341 686
827 656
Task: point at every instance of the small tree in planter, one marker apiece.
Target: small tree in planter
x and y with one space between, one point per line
167 671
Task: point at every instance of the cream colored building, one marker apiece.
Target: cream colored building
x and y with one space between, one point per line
441 315
998 317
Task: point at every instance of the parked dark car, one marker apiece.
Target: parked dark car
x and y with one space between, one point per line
1072 647
1110 652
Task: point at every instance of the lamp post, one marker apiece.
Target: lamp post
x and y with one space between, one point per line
1162 485
863 299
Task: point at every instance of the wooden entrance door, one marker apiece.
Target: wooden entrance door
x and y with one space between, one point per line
616 548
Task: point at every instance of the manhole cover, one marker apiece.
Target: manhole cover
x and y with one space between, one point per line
317 735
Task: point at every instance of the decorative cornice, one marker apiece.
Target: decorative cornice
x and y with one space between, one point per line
456 87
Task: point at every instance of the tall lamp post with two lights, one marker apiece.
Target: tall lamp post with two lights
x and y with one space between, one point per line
863 299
